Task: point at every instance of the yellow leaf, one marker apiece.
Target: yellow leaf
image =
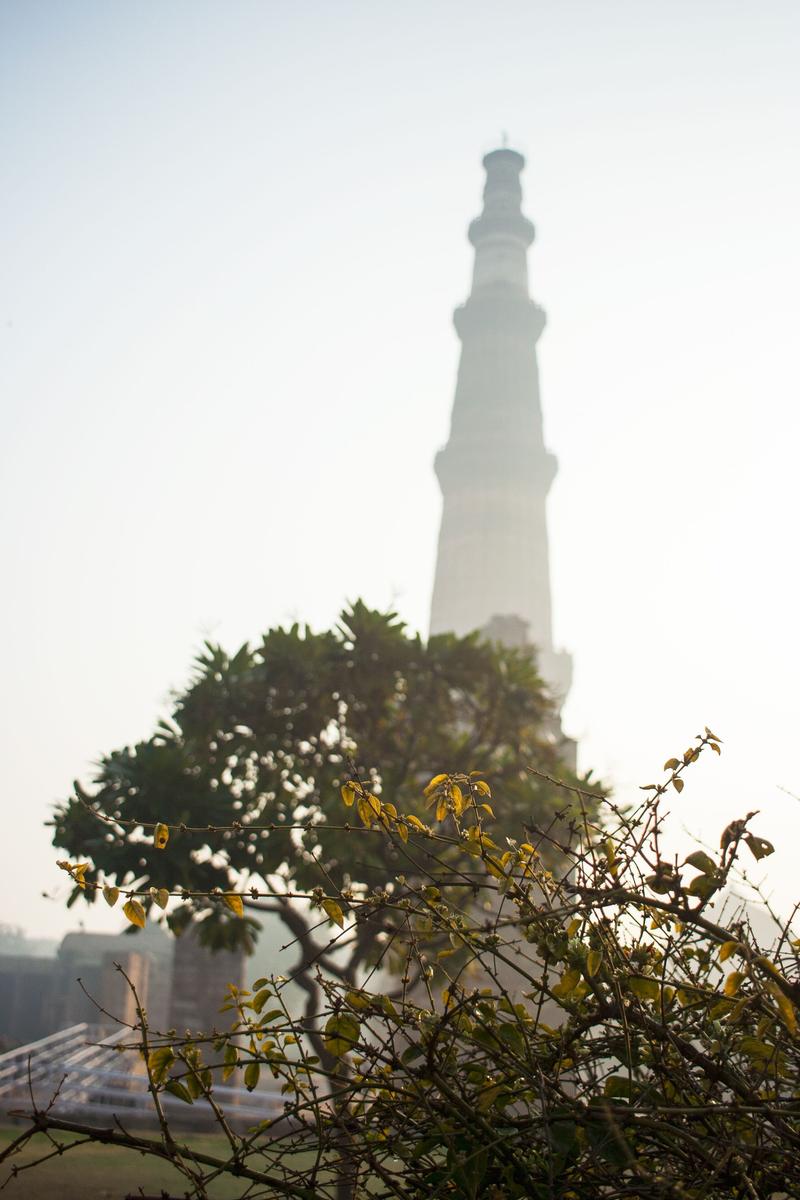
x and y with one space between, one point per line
727 949
671 764
434 783
568 982
733 983
134 912
785 1008
645 989
677 783
715 747
160 836
611 857
234 903
402 830
334 911
162 897
769 967
483 787
712 736
457 796
76 871
573 926
488 809
415 823
365 812
593 961
348 793
110 894
441 808
369 809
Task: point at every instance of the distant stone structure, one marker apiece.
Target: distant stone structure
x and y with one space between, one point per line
200 981
493 567
180 983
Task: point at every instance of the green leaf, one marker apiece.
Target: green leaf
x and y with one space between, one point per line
272 1015
231 1061
176 1088
702 861
704 886
159 1062
342 1031
260 999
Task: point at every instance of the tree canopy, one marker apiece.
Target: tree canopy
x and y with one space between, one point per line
260 743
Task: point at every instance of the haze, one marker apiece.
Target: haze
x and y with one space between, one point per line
232 239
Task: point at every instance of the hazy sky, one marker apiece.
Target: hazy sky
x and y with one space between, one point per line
232 237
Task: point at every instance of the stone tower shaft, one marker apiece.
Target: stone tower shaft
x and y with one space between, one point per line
495 471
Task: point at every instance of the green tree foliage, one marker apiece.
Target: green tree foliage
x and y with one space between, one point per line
258 746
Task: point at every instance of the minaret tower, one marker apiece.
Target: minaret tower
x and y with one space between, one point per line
492 569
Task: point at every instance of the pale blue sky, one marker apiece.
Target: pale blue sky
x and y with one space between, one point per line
232 237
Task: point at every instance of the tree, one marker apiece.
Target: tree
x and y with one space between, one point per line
639 1041
259 745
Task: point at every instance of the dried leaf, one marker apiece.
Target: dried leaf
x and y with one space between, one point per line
759 847
160 836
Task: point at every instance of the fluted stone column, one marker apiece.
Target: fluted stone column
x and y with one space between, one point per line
492 570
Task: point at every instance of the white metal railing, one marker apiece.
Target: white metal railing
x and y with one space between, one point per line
79 1064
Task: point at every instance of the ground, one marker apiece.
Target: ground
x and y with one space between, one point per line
103 1172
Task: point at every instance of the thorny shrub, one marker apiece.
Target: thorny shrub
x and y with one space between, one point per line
558 1017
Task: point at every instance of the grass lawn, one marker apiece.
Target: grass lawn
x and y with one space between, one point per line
104 1172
